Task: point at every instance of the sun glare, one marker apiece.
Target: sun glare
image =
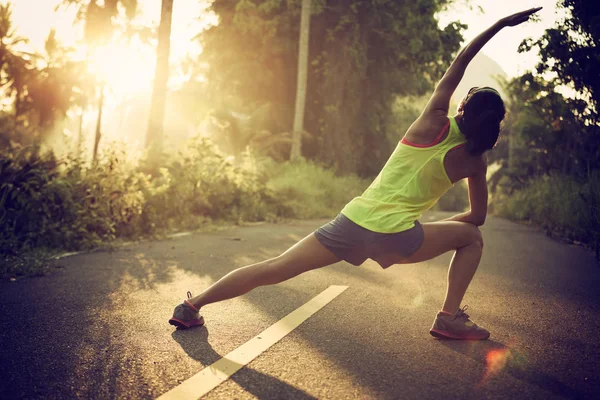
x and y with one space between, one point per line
124 68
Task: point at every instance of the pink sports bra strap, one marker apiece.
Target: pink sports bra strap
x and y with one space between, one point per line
435 141
441 134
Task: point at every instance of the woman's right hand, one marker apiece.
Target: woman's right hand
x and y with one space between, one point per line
520 17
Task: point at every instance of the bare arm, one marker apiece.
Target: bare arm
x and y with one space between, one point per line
478 197
440 100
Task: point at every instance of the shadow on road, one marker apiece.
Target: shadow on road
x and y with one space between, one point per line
195 343
500 358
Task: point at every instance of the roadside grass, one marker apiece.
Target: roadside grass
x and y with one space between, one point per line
305 190
50 205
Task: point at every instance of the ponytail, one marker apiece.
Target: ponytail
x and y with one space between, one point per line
483 113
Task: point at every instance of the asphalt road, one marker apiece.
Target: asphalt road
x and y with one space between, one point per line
97 328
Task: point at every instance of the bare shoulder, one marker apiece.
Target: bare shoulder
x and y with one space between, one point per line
426 128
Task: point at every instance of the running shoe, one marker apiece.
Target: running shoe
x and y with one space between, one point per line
457 326
186 315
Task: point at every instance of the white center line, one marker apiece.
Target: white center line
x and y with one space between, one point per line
213 375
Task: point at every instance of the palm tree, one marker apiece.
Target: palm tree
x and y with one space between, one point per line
14 65
40 86
52 89
100 23
100 19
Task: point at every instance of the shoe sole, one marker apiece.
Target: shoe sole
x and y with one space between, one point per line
447 335
184 325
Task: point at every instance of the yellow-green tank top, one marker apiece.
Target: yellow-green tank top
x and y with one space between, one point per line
411 182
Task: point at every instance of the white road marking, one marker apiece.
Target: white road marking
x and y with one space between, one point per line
63 255
178 235
218 372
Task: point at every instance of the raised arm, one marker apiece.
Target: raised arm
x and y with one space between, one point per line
440 100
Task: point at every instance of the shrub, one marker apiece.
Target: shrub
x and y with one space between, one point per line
201 183
559 203
303 189
66 204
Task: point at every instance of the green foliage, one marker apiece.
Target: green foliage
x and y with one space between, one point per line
202 183
40 88
558 203
550 163
361 55
544 133
549 158
304 189
238 132
569 51
46 203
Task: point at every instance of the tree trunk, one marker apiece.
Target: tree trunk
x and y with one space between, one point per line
513 150
79 148
98 125
154 135
298 128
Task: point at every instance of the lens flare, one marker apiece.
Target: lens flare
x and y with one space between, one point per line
496 360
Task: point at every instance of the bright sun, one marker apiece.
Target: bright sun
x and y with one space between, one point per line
126 69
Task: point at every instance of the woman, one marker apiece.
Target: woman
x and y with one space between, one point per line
382 224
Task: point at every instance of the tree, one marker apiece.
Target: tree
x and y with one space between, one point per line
550 132
161 77
101 18
569 52
362 55
301 85
15 66
53 88
100 21
543 134
42 86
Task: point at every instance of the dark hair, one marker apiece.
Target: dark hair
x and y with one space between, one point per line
483 111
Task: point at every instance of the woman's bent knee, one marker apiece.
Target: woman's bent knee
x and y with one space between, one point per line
477 237
470 235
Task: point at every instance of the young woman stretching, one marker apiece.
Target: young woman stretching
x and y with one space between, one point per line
382 224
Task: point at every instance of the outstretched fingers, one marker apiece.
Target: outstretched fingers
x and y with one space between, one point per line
520 17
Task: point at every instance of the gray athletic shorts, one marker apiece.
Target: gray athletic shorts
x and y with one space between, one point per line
354 244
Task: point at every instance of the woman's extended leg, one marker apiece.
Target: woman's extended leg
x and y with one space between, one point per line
304 256
441 237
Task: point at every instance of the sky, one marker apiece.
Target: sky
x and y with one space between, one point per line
135 70
36 25
480 14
